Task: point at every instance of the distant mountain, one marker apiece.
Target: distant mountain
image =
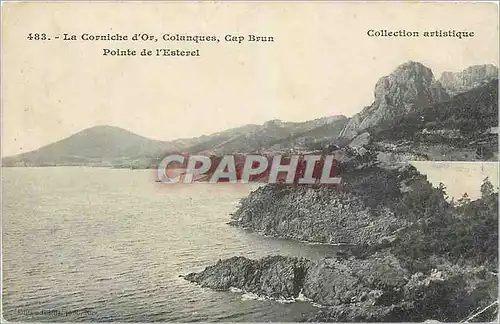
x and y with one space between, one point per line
410 106
471 112
468 79
322 133
272 135
464 127
411 86
113 146
99 145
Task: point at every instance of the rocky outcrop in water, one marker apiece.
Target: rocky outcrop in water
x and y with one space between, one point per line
366 208
377 288
376 280
412 85
274 276
418 256
468 79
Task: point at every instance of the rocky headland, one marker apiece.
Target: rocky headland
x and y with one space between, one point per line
363 210
376 288
410 254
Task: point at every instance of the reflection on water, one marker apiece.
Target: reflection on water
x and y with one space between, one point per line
90 244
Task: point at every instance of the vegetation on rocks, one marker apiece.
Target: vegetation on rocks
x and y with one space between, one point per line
417 255
377 288
465 232
370 205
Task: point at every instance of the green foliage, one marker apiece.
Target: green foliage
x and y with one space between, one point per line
475 236
464 200
374 186
472 113
424 202
486 188
467 233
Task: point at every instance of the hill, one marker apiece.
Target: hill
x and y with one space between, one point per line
414 114
116 147
272 135
99 145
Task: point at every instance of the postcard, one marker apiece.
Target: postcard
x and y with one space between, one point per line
249 161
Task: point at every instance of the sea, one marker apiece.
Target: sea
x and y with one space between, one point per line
100 244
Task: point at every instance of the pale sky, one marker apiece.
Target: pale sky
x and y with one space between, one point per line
322 63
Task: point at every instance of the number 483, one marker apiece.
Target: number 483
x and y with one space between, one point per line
37 36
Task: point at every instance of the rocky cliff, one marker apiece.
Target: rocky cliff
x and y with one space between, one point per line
273 276
470 78
412 85
376 288
461 128
364 209
417 256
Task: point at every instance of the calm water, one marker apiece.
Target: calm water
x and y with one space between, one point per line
90 244
459 177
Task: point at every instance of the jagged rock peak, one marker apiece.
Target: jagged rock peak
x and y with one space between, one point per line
411 69
471 77
408 82
411 85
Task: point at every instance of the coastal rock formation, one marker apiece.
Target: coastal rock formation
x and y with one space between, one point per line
472 77
360 312
410 86
417 257
376 280
362 210
273 276
377 288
